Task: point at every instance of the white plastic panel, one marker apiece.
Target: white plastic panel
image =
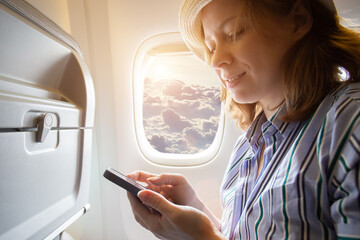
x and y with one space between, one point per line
44 185
38 60
21 109
29 194
35 64
41 191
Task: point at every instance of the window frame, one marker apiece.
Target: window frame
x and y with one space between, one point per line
162 44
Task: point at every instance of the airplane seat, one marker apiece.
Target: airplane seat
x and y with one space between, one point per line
47 105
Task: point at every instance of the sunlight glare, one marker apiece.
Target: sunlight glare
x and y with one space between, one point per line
161 71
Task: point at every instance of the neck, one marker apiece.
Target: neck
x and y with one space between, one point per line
270 109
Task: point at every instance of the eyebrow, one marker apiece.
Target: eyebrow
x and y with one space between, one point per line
222 24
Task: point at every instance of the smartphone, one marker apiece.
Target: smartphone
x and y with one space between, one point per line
123 181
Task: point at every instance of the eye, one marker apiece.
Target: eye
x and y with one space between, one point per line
236 35
210 49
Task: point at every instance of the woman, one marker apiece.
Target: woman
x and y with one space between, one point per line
294 173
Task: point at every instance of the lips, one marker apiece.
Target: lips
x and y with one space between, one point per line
234 80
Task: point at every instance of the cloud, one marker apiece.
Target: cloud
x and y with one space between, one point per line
158 142
173 89
174 120
210 124
180 117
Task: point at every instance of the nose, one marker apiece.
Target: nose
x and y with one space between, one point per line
221 57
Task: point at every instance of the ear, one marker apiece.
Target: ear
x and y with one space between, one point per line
302 19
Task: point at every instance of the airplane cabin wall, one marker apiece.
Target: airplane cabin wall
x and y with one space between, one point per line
74 17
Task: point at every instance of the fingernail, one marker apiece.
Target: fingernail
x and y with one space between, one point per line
152 179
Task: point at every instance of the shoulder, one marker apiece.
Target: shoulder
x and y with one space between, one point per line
342 114
338 113
345 107
346 97
341 124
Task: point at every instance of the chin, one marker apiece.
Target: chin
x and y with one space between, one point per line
243 99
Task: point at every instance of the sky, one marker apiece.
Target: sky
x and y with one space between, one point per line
183 67
181 104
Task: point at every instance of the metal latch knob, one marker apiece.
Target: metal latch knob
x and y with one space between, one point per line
44 125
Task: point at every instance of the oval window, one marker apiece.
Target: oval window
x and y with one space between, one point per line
178 114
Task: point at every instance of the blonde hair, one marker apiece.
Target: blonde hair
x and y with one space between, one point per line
310 68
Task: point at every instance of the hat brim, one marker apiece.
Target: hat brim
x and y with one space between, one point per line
190 25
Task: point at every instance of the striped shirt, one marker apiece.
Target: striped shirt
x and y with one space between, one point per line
308 187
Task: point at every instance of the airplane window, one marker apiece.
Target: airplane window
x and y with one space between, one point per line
344 74
181 104
178 114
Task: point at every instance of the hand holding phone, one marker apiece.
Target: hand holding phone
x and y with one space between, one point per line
123 181
126 183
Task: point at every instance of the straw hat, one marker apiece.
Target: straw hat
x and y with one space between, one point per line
190 25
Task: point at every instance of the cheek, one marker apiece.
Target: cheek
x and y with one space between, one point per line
247 52
262 54
252 56
223 83
266 65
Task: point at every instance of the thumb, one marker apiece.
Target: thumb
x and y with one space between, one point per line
156 201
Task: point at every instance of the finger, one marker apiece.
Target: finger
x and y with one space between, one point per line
140 176
136 205
157 202
167 179
134 202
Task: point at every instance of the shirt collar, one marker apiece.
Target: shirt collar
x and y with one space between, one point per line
254 133
276 122
261 125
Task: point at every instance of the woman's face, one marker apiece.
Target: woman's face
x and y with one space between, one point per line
249 65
